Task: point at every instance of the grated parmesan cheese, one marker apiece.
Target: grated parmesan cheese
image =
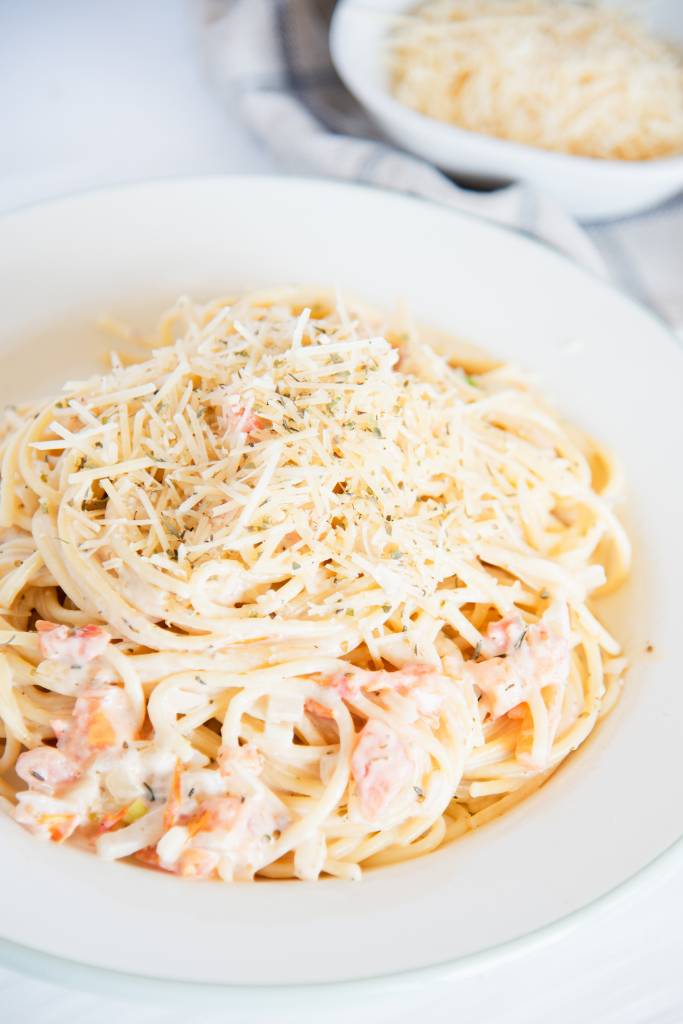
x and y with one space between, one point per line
578 78
280 438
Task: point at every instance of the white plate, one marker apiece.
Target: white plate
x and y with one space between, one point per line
609 364
590 189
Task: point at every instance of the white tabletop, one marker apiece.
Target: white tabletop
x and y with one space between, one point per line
97 93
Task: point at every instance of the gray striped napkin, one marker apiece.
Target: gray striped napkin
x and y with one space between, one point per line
271 59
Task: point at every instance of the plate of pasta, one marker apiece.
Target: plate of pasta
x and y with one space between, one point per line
336 584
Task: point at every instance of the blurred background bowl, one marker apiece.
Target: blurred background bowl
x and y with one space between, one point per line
589 188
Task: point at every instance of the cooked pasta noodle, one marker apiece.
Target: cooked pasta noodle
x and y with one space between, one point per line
292 593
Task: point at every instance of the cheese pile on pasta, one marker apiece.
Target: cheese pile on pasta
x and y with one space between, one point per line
580 78
295 594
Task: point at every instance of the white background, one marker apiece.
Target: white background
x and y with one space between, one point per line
100 91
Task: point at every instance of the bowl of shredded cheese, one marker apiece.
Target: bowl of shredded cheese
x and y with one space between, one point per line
584 101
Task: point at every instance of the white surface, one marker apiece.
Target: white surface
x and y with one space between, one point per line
590 189
96 93
625 967
132 251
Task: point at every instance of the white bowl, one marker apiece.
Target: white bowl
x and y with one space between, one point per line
588 188
612 810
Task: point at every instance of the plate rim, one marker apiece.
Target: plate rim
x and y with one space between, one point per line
29 961
313 181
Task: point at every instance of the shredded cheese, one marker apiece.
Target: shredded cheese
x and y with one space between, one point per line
580 78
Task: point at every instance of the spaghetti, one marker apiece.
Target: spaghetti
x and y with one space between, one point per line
293 593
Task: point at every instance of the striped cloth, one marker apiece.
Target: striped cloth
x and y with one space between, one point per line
271 59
